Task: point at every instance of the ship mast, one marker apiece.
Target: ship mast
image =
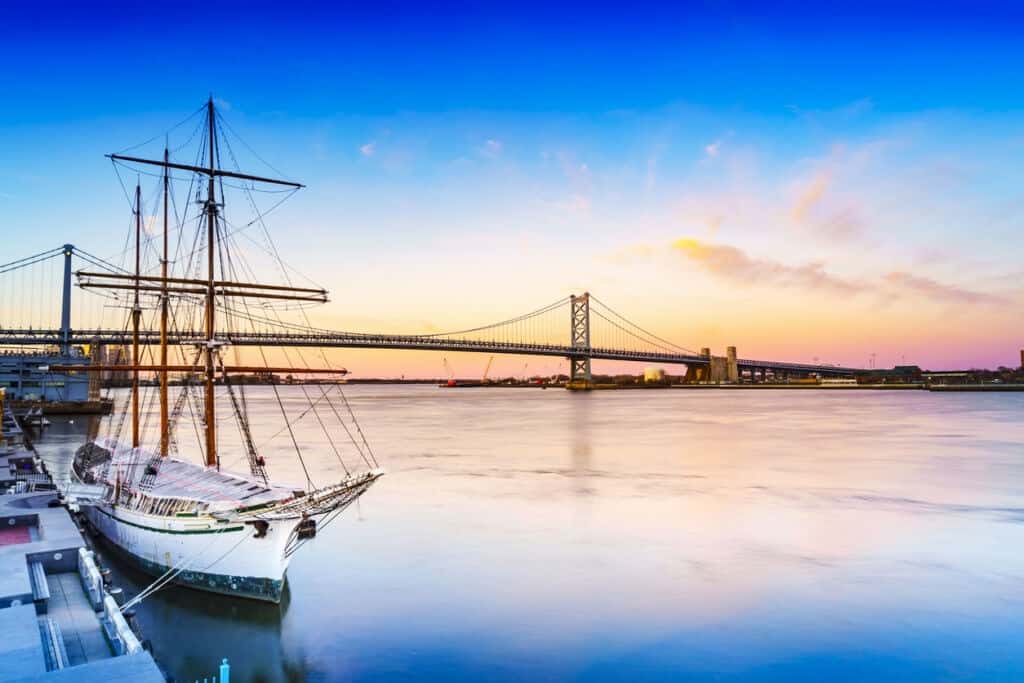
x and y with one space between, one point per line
209 287
211 237
164 424
136 314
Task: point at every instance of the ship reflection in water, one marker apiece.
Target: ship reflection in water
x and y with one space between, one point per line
645 536
186 627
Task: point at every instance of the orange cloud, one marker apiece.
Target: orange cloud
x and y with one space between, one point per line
735 265
731 263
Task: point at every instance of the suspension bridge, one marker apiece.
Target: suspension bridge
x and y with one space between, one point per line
36 310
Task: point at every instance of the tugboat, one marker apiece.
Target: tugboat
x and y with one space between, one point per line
174 511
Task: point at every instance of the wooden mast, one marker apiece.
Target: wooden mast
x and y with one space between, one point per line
209 286
211 246
136 314
164 422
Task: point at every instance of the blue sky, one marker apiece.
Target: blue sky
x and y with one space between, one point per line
380 58
860 162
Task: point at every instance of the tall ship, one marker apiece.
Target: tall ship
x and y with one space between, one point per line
159 493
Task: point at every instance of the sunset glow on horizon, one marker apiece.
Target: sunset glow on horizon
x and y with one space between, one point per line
723 178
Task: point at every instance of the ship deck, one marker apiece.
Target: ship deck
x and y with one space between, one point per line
180 480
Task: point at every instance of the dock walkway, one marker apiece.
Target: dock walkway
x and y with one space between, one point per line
52 629
69 607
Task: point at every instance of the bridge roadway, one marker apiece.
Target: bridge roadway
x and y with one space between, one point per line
391 341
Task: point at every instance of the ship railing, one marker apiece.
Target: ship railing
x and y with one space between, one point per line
324 500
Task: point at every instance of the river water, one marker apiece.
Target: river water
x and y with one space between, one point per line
527 534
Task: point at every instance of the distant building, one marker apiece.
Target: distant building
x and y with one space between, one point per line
654 376
949 377
904 373
115 355
26 376
837 381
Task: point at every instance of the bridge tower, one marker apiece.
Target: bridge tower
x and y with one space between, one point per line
579 366
65 303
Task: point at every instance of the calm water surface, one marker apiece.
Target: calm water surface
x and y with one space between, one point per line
641 535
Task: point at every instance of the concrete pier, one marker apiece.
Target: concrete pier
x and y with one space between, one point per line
51 629
57 621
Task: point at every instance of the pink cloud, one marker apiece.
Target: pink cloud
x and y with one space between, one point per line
938 291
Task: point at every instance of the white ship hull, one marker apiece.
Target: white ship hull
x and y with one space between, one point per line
212 555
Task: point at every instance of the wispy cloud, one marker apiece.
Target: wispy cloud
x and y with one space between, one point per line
575 171
810 195
932 289
845 224
733 264
831 202
577 204
491 148
651 177
843 114
579 182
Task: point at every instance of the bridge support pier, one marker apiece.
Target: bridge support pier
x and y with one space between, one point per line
718 370
579 373
65 303
579 366
732 370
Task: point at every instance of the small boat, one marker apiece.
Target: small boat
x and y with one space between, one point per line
34 418
21 468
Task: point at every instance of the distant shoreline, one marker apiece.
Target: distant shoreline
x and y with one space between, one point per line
600 384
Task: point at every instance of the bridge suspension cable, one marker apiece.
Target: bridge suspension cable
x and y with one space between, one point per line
555 305
32 293
31 260
631 329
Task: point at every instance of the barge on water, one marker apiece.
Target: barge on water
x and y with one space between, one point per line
32 383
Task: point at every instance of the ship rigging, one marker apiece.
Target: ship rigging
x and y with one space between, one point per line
191 522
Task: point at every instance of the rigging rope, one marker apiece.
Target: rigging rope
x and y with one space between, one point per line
279 262
183 314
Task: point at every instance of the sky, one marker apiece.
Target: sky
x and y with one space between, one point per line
831 181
